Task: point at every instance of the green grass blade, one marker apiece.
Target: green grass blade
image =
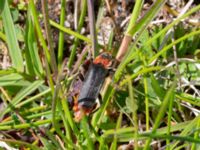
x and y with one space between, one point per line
76 41
144 21
6 72
187 130
68 130
26 125
166 48
61 34
163 31
57 126
146 102
22 94
33 61
126 134
13 79
18 142
26 91
169 118
134 107
161 112
70 32
118 125
140 28
189 98
49 39
196 136
47 144
38 29
142 71
87 133
53 139
34 116
137 8
3 36
123 64
97 118
14 50
169 137
69 116
35 97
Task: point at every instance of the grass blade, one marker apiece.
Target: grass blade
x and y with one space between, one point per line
22 94
2 36
147 17
14 50
70 32
162 111
172 44
38 29
87 133
187 130
61 34
33 61
13 79
76 41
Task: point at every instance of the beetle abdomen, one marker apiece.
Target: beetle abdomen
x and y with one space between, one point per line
92 85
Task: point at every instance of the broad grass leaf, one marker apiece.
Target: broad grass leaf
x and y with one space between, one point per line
33 63
23 93
11 37
13 79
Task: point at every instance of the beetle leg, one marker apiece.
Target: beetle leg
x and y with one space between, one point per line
99 99
98 104
75 107
81 77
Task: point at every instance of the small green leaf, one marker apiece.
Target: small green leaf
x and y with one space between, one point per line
157 89
15 14
131 105
19 33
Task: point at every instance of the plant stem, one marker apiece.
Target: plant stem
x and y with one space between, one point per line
38 30
76 41
128 35
92 26
48 35
69 31
25 125
61 34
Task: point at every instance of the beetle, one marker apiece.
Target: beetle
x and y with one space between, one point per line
92 84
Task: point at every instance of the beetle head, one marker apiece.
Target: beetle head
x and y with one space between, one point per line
104 59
